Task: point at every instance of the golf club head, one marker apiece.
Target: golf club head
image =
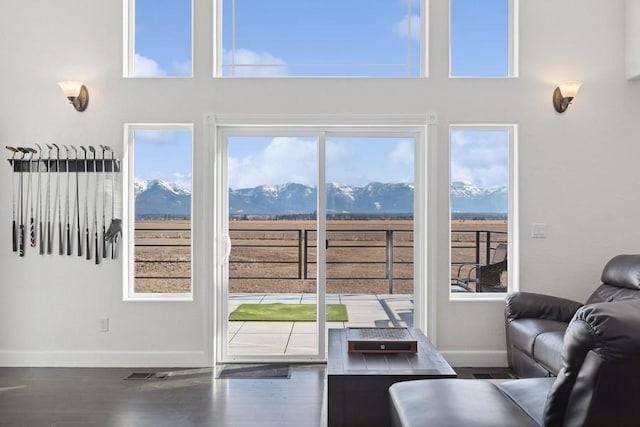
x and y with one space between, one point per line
66 149
14 150
84 150
107 148
57 150
40 150
50 148
93 150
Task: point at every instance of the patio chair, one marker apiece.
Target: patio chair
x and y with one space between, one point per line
487 278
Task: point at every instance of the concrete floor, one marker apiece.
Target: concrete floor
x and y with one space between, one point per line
299 338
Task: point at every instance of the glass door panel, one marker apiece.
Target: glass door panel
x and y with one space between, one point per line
272 204
369 220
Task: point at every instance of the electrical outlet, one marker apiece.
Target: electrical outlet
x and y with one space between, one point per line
104 325
538 231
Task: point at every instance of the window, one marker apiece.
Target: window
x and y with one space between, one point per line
159 211
482 41
321 38
159 38
482 190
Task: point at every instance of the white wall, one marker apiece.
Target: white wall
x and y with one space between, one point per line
578 170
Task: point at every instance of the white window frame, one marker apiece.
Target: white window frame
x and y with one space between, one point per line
513 271
423 40
514 45
128 225
425 253
129 43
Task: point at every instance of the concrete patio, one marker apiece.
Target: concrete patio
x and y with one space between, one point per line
299 338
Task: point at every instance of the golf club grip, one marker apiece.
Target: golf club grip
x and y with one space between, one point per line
14 232
49 239
41 239
68 240
79 242
104 242
88 242
114 249
32 232
97 249
60 239
22 237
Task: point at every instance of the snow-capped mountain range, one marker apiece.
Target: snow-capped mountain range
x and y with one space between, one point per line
160 198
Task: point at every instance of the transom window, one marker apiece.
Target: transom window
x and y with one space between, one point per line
482 38
321 38
159 38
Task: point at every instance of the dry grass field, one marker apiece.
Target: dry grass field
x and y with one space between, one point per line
280 256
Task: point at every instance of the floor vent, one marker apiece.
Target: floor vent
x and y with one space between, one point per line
144 376
271 371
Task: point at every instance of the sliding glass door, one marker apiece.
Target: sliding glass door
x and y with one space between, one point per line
318 232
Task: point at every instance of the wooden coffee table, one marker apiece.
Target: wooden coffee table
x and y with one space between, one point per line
358 383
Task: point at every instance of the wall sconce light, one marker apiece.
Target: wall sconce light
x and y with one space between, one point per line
564 94
76 93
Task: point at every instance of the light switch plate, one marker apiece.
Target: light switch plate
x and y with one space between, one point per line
539 231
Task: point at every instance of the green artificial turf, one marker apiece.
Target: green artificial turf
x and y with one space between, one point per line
287 313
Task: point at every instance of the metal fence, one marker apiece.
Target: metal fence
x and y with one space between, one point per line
162 254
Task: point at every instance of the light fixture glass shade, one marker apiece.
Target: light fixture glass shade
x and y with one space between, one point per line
570 89
70 88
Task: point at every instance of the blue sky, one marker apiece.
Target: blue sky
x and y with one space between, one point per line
324 31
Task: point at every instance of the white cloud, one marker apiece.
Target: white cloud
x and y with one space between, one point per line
145 67
154 136
403 154
254 64
284 160
182 179
181 68
402 27
480 157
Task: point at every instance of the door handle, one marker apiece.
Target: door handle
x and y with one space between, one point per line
227 251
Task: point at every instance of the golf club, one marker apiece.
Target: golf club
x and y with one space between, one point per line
86 207
67 225
14 226
76 208
57 206
32 223
48 221
39 206
95 207
115 228
104 203
21 238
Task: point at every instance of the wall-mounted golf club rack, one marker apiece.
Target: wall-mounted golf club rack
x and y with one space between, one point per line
63 170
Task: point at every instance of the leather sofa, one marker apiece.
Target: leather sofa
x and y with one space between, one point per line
536 323
598 383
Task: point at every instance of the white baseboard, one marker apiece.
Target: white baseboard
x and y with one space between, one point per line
476 359
105 359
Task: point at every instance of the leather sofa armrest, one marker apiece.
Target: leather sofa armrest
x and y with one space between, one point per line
539 306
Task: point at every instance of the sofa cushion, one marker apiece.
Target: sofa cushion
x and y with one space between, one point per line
622 271
608 293
524 332
455 403
547 350
530 395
